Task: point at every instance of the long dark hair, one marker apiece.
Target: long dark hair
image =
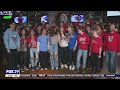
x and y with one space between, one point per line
53 31
60 32
26 34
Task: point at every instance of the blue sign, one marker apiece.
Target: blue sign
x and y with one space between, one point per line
12 71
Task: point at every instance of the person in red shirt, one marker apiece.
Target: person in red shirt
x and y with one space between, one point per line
95 50
111 48
103 33
32 44
23 50
83 41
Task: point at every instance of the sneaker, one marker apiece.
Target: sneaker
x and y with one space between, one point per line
62 66
70 67
22 71
26 69
39 64
83 70
37 67
52 68
33 69
42 69
18 65
73 67
77 70
66 66
29 65
45 68
56 68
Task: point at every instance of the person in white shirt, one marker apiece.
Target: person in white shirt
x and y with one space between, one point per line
64 48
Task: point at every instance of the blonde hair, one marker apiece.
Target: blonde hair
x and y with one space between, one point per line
72 29
98 31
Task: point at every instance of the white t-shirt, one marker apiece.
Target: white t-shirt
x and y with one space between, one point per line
63 42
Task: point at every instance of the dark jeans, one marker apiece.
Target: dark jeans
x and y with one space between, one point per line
101 61
89 61
18 59
72 55
43 59
28 57
23 59
64 55
95 61
12 64
59 55
38 60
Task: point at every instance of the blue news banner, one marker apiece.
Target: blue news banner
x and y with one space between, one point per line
12 73
16 73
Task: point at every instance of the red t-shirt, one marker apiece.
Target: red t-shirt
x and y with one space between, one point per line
83 41
112 42
95 45
23 41
103 34
32 42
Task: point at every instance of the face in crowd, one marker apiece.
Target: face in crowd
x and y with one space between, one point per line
23 32
32 32
12 26
112 27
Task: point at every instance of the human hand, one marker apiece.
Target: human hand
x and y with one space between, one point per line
89 54
99 56
104 53
18 49
74 48
118 54
8 50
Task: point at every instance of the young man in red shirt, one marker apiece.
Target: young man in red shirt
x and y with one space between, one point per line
83 41
95 50
111 47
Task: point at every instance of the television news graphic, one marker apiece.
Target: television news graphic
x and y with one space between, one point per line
7 17
112 75
22 19
70 75
6 12
63 75
117 75
12 73
113 13
77 18
44 18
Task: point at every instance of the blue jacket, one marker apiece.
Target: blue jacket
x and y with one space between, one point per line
11 39
72 40
43 42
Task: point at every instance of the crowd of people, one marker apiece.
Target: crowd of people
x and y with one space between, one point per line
73 46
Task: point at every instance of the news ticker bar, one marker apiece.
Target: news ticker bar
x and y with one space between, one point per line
62 75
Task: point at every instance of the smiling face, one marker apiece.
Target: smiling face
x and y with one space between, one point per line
32 32
94 33
61 29
23 32
44 32
88 28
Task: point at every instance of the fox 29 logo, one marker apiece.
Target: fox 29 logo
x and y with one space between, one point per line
12 73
